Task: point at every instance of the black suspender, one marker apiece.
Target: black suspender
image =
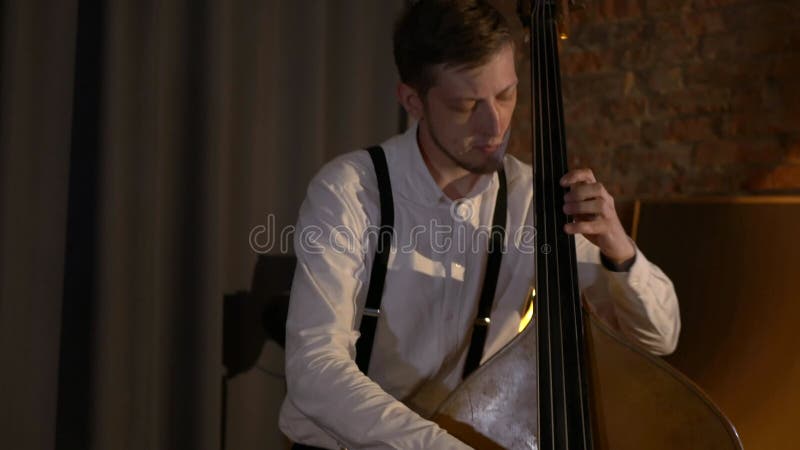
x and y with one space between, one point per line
377 276
481 327
369 317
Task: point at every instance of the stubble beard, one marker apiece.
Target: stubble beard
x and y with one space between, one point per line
492 164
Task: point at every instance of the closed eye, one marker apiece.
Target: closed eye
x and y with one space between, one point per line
508 94
464 106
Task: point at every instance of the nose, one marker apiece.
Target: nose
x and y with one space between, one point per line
488 119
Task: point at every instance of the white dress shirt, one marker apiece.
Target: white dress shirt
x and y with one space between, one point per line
433 284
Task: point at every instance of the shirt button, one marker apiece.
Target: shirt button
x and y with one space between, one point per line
461 210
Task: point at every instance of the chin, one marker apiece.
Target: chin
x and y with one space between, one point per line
491 165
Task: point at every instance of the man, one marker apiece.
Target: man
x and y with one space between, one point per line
459 82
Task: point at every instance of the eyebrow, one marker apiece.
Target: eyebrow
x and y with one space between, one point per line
506 89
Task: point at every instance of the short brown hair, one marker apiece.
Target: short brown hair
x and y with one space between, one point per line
460 33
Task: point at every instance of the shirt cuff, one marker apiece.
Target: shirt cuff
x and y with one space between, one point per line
624 266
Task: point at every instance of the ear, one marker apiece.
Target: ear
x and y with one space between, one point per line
411 101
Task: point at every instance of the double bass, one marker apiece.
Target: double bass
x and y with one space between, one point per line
567 381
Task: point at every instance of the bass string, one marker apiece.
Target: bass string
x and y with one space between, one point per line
541 119
555 174
550 115
573 305
551 222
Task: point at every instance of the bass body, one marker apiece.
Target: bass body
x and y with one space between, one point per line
567 382
638 401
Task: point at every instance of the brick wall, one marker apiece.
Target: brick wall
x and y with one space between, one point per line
679 97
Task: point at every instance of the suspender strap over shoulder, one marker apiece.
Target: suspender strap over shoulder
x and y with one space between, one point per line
372 307
496 242
369 317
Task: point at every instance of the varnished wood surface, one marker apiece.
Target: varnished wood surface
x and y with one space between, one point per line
735 263
493 408
639 402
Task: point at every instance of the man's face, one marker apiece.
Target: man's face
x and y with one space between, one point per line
467 113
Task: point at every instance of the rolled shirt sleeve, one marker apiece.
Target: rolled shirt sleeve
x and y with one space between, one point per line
640 303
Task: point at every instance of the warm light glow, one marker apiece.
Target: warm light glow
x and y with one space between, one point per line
563 36
526 319
487 320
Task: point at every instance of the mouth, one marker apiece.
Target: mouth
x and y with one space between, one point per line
488 149
493 148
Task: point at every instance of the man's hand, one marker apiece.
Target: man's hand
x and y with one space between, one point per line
594 215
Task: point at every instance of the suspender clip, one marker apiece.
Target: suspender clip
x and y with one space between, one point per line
482 322
372 312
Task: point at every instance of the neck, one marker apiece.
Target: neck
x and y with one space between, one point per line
455 181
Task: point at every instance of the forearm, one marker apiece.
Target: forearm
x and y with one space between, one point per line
326 386
646 306
640 303
355 411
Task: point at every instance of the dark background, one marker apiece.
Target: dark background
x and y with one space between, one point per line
142 142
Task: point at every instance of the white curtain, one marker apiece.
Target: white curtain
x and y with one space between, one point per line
213 115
